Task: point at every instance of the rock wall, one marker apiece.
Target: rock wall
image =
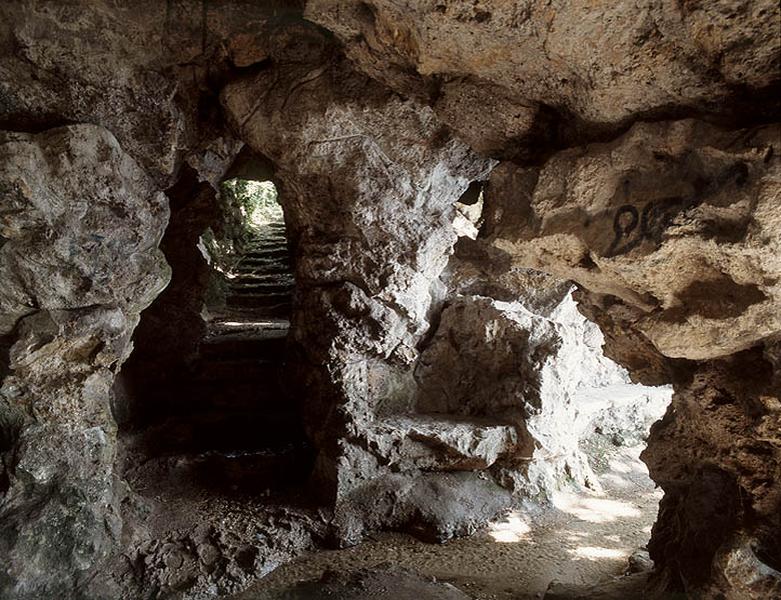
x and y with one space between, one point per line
639 160
79 261
169 332
517 78
368 181
672 230
400 395
540 370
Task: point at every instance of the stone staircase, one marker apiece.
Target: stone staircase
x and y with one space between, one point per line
233 424
262 280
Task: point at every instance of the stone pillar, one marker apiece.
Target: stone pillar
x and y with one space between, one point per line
80 225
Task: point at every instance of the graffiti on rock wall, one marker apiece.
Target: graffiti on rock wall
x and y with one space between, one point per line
632 226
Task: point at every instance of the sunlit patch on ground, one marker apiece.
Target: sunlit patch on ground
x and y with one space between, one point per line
588 538
594 510
599 553
511 529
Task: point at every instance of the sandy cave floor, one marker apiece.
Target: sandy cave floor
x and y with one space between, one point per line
586 539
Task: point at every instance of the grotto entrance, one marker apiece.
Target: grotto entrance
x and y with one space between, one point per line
202 403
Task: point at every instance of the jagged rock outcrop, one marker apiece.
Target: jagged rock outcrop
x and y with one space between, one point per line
541 370
676 220
673 232
639 162
147 71
716 455
515 78
369 250
369 254
79 261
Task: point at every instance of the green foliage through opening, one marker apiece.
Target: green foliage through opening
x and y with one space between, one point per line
255 200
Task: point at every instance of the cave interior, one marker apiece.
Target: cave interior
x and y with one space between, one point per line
378 299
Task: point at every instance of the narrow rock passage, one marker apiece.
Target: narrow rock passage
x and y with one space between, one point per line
223 475
237 422
262 280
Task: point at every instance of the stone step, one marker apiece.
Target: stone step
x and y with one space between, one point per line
228 348
262 264
268 289
269 297
247 473
268 229
244 323
265 255
234 369
264 397
260 286
263 277
267 246
264 474
268 268
259 299
263 307
275 239
274 233
444 442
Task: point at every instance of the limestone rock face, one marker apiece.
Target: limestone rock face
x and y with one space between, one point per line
715 453
370 249
79 261
577 66
542 371
639 161
672 230
140 69
676 219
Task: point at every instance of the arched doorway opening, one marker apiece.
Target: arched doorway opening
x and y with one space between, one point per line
202 403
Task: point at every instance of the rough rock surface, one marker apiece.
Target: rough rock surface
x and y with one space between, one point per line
513 77
715 454
369 256
639 163
210 548
170 331
675 219
369 252
673 230
541 370
629 587
146 71
79 261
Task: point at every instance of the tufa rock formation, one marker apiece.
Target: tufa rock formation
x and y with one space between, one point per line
628 149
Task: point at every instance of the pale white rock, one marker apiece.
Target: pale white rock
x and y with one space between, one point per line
545 373
432 441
